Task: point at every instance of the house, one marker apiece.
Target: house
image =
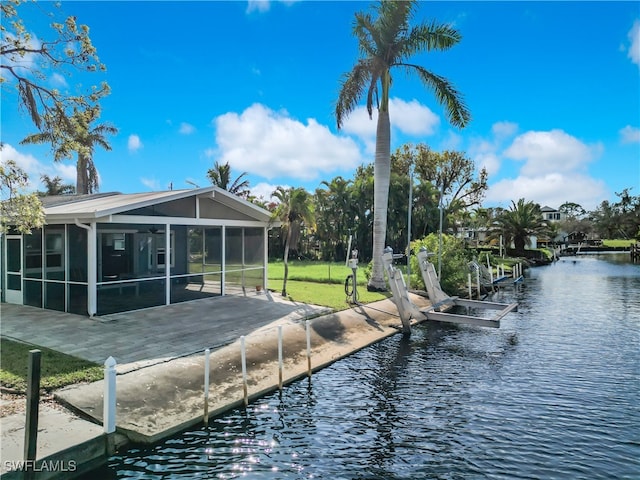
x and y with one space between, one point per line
552 215
111 252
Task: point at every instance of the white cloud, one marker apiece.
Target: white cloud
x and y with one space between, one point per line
59 80
489 161
411 118
634 39
134 144
264 5
502 130
34 168
271 144
258 5
552 189
186 128
150 183
630 134
265 190
552 151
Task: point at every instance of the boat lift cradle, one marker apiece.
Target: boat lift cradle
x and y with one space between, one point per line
439 299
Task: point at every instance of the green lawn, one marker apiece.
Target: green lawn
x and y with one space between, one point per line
57 369
324 272
617 243
326 294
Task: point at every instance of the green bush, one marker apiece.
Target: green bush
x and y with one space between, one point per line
454 262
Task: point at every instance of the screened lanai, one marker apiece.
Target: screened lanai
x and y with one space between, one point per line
107 253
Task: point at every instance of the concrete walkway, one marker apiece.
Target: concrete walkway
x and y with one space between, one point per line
152 335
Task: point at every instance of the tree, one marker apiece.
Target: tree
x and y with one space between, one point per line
334 214
21 210
54 186
519 223
77 135
25 62
388 42
294 209
454 175
220 176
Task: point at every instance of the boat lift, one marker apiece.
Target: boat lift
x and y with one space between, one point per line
440 301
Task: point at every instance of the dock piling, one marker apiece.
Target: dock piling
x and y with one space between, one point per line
243 355
207 353
280 357
109 406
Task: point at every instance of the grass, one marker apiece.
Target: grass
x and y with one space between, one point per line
307 271
57 369
326 294
617 243
319 283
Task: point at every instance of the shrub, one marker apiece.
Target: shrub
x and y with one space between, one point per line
454 262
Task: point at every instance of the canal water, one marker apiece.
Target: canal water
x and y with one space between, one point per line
554 393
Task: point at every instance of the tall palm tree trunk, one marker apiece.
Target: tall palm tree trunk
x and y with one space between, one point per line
82 180
381 178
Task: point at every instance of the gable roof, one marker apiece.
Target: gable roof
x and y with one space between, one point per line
95 206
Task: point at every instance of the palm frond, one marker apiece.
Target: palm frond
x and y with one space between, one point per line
446 94
353 86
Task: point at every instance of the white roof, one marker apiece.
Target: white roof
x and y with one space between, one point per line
89 207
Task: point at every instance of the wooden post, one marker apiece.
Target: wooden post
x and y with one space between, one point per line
109 405
33 402
206 386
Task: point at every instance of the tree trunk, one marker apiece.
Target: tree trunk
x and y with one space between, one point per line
286 262
381 177
82 181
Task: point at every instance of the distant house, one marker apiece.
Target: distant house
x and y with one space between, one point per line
112 252
552 215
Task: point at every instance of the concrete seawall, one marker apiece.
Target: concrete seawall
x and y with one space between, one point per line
159 401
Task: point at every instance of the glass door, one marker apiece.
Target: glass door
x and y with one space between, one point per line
13 275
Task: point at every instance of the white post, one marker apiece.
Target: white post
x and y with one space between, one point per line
478 282
280 357
207 353
243 355
109 403
469 284
307 326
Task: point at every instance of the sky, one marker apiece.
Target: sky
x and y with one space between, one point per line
553 89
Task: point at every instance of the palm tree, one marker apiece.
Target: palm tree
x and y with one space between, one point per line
54 186
519 223
295 208
75 134
220 176
388 42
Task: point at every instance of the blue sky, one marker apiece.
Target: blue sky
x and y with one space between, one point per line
553 88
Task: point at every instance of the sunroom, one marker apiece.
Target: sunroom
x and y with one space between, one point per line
107 253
